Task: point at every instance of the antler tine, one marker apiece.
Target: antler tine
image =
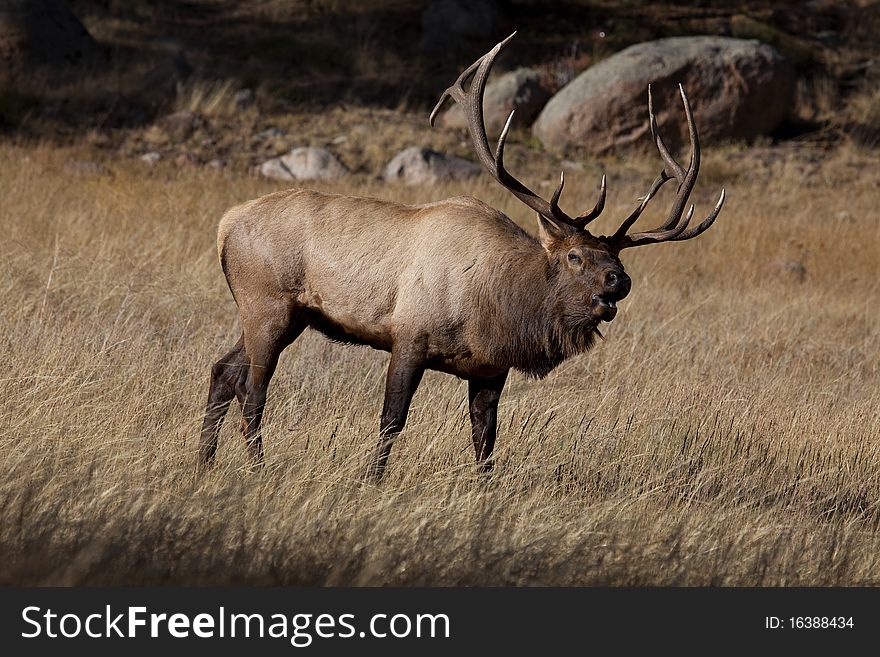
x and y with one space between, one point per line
472 103
456 90
673 229
708 221
659 181
499 149
557 213
554 200
690 178
661 235
587 217
673 169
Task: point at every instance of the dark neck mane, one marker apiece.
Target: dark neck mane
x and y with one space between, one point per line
533 333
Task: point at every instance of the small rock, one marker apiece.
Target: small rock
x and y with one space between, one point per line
304 164
151 158
243 98
341 139
155 136
217 164
186 160
270 133
421 166
180 125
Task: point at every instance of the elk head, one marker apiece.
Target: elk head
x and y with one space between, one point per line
589 275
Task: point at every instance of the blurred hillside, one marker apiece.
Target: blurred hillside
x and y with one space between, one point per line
247 66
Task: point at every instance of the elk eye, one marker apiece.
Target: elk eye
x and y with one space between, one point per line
574 258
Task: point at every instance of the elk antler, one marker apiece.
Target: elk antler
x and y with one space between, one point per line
674 229
472 103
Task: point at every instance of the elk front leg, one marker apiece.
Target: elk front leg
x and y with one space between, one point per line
404 375
483 397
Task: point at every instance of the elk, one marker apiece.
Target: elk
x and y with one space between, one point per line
453 286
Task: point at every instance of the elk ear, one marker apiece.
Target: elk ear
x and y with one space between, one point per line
549 233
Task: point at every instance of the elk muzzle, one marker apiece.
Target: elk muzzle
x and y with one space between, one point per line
616 286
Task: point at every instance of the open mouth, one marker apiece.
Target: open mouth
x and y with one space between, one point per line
604 307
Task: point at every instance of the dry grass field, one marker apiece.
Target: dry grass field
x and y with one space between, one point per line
726 432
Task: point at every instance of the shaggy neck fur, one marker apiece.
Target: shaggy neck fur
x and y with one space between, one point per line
536 330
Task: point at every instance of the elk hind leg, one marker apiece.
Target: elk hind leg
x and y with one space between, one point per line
264 340
483 398
224 376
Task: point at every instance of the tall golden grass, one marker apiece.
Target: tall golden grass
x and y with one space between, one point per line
726 432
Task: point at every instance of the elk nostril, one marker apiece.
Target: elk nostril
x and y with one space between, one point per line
617 282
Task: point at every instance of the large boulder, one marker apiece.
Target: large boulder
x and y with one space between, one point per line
41 34
422 166
453 23
304 164
739 89
521 90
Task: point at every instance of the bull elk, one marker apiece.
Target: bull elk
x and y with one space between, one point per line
453 286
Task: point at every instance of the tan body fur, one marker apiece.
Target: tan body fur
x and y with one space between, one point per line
372 272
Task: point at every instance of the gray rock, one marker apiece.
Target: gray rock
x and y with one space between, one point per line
739 89
151 158
243 98
422 166
451 23
186 160
519 90
180 125
275 170
270 133
304 164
